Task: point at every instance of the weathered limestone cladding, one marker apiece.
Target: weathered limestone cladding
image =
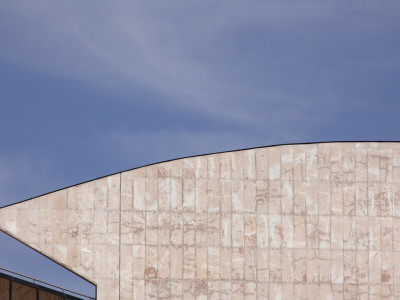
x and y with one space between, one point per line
306 221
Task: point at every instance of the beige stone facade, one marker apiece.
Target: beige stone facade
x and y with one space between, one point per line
313 221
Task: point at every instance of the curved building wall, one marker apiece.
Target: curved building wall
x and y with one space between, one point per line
313 221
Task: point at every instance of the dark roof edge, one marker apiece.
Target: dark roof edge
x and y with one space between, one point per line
258 147
40 286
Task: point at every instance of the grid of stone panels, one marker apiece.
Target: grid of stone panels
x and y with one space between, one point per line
317 221
78 227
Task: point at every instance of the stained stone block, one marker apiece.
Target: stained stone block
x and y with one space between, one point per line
311 221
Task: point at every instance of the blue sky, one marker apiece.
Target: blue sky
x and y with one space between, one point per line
92 88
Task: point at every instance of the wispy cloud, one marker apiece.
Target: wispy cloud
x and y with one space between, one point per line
217 76
264 72
228 60
24 176
171 144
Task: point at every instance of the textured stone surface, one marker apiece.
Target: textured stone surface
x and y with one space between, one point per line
315 221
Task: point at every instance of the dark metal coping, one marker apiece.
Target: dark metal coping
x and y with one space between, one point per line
38 287
190 156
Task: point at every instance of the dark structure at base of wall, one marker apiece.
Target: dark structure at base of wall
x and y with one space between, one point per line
12 288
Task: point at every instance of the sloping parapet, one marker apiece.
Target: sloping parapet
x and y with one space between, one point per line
307 221
77 227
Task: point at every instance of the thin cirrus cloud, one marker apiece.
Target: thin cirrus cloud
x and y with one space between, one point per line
90 88
210 76
236 61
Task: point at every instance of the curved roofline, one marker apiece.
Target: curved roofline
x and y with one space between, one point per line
190 156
